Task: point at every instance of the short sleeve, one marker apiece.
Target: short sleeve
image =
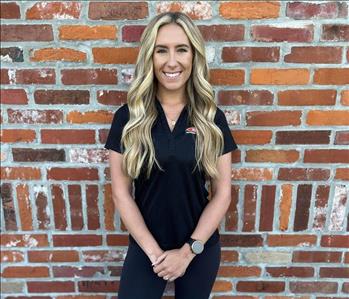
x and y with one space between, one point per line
121 117
221 121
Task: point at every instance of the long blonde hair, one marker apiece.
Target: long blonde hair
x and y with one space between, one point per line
136 139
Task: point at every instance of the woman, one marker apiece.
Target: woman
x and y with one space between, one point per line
170 139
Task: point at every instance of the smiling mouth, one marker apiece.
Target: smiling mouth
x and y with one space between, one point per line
172 75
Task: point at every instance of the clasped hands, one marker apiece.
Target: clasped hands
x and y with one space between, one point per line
172 264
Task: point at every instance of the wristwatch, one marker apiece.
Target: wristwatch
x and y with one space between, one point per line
196 246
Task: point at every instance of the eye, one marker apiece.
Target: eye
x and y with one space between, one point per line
182 50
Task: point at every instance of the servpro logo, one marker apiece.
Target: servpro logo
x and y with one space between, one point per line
190 130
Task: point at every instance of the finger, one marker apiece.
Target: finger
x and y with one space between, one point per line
159 259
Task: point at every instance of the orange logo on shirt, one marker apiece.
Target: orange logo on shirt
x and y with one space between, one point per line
190 130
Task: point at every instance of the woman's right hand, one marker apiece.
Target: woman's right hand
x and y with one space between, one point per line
153 257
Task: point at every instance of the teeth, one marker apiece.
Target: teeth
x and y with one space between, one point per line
172 75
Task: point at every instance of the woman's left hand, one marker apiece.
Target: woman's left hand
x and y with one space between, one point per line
172 263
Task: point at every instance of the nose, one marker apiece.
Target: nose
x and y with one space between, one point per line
172 59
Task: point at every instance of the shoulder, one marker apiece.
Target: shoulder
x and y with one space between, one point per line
122 113
219 117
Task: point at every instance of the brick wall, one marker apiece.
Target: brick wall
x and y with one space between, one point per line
280 73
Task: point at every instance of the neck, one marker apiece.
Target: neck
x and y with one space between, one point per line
171 100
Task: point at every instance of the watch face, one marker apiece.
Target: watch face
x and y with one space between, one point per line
198 247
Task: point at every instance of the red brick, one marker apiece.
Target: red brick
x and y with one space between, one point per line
42 215
250 200
66 136
50 286
307 97
266 33
239 271
245 97
345 97
76 240
92 207
112 97
24 206
321 206
303 174
118 10
75 174
334 272
132 33
335 32
328 118
301 217
303 137
89 76
303 10
316 257
249 10
335 241
345 287
252 136
291 240
326 156
98 286
273 118
99 116
229 256
266 212
93 256
232 214
34 116
14 135
109 209
54 10
75 202
117 240
37 155
250 54
199 10
279 76
51 97
253 174
9 209
227 77
85 32
332 76
59 208
32 76
53 256
342 174
285 206
11 256
272 156
314 55
82 297
20 173
20 33
13 96
27 240
25 272
251 240
9 11
290 271
222 32
260 286
125 55
57 54
312 287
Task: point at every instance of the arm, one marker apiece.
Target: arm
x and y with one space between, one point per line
218 205
126 206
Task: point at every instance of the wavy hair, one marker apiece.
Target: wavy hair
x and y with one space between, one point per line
136 139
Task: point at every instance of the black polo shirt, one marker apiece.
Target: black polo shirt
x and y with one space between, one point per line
171 202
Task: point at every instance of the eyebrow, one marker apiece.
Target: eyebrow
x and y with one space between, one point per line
181 45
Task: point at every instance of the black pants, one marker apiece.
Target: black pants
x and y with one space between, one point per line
139 281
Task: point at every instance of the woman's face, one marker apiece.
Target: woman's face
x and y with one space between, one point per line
172 58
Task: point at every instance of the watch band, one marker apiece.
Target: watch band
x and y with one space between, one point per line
196 246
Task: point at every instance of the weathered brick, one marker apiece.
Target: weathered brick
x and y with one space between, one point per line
33 116
54 10
59 207
272 156
341 241
250 54
334 76
53 256
57 54
227 77
267 33
251 240
222 286
11 256
342 137
51 97
125 55
335 32
303 137
85 32
321 206
301 217
285 206
24 206
37 155
291 240
112 97
327 118
303 10
9 10
75 174
314 55
89 76
316 257
76 240
117 10
8 207
253 174
307 97
273 118
250 200
75 202
290 271
67 136
260 286
11 54
21 33
222 32
249 10
132 33
25 271
42 208
326 156
109 208
17 135
92 207
232 214
20 173
303 174
50 286
334 272
27 240
245 97
280 76
14 96
239 271
69 271
313 287
103 255
196 10
100 117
